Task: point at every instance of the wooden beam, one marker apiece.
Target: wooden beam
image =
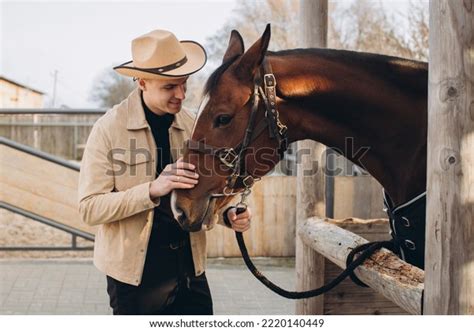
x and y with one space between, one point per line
310 186
395 279
449 260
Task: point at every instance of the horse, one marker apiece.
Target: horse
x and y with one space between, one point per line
262 100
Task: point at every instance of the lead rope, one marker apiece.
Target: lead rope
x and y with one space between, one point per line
366 251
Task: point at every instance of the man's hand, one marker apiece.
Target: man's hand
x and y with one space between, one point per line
240 222
178 175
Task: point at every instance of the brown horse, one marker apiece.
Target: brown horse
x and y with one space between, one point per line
380 102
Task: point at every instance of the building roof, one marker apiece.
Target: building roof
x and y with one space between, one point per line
21 85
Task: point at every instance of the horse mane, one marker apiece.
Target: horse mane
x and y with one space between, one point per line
408 75
213 79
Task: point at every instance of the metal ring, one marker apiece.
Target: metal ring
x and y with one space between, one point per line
241 205
224 191
406 222
410 245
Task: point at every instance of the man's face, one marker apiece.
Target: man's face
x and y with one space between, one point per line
164 95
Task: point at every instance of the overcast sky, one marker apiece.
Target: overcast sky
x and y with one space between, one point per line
81 38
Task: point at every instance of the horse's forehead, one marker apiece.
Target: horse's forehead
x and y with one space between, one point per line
227 89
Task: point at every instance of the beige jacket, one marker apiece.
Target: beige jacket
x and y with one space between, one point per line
117 169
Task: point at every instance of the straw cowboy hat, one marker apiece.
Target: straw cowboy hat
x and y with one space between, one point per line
159 53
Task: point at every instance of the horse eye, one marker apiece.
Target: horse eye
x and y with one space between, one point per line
222 120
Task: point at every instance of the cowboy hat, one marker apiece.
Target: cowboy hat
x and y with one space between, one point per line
159 53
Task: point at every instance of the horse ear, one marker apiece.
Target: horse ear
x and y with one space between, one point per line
236 46
252 59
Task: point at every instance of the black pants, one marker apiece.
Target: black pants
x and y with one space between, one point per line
190 296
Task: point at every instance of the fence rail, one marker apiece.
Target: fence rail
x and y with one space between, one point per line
50 111
384 272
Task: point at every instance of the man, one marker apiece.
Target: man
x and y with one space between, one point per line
130 166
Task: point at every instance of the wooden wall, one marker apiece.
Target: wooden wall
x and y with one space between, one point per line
273 202
273 230
50 190
13 95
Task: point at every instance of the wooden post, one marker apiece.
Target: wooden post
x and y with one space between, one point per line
449 267
310 187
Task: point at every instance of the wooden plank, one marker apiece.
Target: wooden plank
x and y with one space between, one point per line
273 224
41 187
361 310
44 207
349 297
398 281
450 200
359 196
54 173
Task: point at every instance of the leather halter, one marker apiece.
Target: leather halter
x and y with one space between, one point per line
234 157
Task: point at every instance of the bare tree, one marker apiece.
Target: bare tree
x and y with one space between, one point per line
366 26
419 28
110 88
363 26
250 19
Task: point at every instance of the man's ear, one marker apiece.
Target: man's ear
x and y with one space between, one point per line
235 47
141 84
253 57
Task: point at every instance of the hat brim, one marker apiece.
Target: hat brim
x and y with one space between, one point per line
196 59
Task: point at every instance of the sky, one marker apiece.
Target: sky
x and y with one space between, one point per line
80 39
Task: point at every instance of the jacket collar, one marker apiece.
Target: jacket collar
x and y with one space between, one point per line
136 114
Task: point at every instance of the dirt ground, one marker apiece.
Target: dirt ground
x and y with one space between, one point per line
16 230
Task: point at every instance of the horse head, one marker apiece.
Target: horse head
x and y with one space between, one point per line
225 163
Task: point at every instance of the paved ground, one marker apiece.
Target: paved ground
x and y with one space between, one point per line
77 287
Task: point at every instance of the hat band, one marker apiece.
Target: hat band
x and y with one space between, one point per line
165 68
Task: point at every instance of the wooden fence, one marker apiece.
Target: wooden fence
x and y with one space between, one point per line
50 190
61 135
273 202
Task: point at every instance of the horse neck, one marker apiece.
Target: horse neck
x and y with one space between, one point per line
376 122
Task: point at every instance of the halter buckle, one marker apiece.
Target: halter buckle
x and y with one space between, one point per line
269 80
228 157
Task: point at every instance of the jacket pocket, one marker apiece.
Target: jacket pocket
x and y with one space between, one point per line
131 168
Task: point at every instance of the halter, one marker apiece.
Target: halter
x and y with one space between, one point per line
233 157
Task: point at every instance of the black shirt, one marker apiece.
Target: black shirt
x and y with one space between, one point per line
160 261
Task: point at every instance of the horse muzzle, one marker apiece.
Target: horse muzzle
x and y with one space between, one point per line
193 216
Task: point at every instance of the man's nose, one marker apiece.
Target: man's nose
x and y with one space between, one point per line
180 92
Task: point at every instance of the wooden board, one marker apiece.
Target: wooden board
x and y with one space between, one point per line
40 187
